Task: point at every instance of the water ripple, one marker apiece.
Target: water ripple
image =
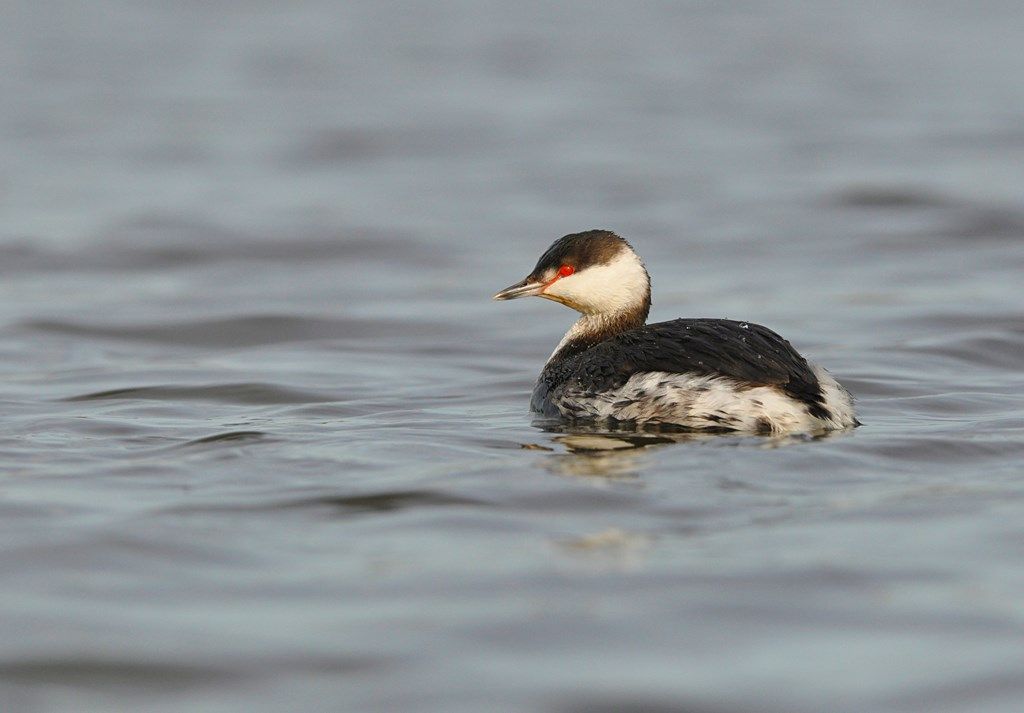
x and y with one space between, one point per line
380 502
243 330
254 393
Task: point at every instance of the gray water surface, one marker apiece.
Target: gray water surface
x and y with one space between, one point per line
264 440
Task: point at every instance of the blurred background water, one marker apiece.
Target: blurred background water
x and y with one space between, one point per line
264 440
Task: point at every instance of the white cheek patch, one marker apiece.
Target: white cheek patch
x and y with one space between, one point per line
614 287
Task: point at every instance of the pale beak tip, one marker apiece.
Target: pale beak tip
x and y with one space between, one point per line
520 289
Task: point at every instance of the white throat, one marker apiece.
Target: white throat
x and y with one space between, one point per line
585 326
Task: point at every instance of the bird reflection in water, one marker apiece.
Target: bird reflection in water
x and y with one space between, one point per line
603 453
620 453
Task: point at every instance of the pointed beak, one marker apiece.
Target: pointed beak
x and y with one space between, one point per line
521 289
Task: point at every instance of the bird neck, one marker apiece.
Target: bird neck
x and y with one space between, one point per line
592 329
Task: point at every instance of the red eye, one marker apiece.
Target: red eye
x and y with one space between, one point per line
566 270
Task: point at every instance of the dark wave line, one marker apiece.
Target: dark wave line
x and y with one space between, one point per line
251 393
243 331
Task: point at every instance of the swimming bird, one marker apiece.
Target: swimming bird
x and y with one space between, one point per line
689 374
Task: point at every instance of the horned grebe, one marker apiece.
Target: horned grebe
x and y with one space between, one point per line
699 374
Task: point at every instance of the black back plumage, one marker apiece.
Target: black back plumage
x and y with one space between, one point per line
742 351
